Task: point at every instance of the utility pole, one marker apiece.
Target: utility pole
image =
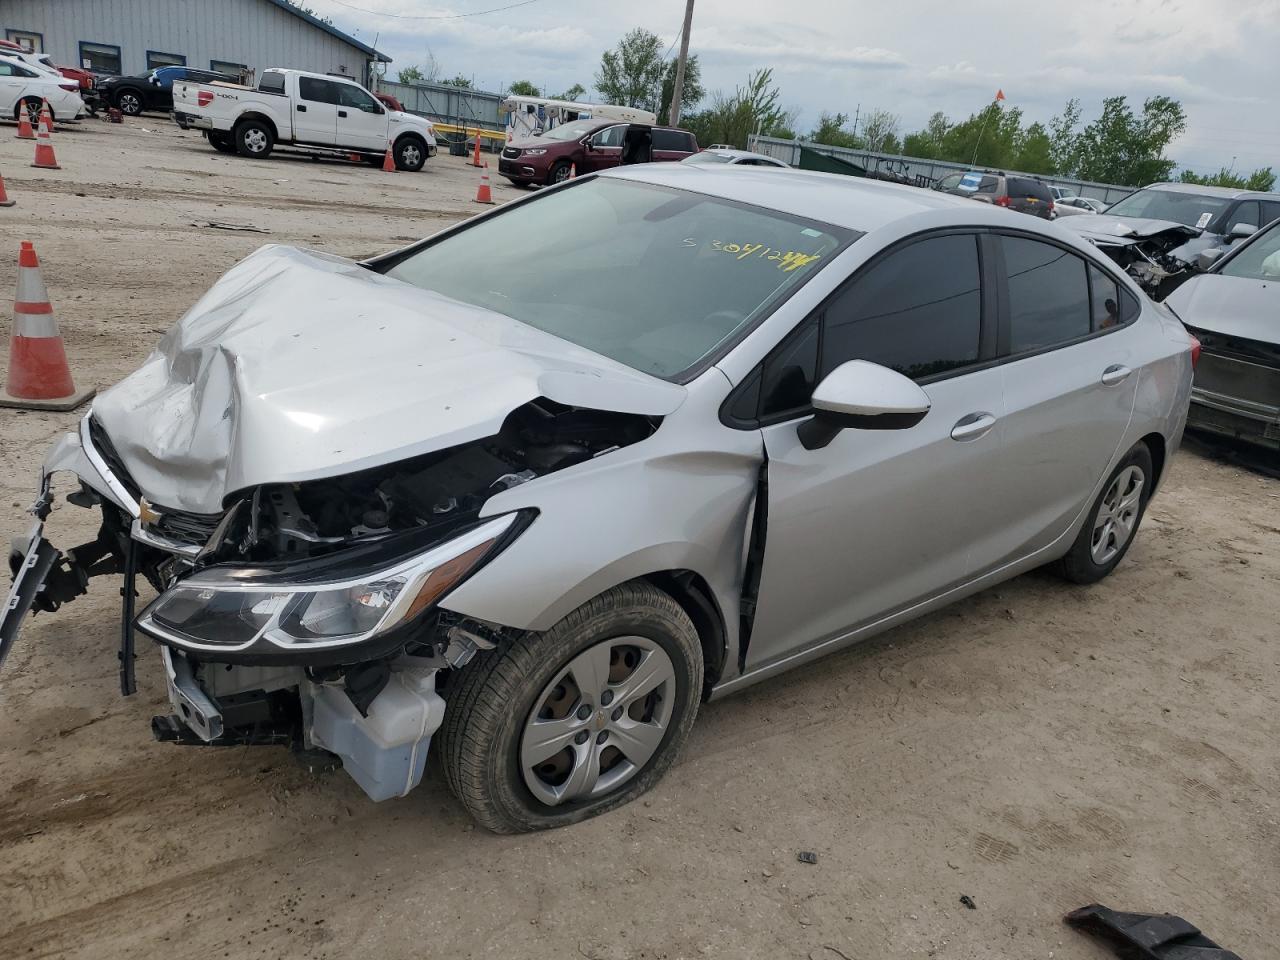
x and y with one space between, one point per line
677 89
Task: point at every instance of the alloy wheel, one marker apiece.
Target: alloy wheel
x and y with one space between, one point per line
130 104
410 155
1117 515
598 722
255 140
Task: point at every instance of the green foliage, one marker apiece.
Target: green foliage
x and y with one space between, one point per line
1120 147
731 119
573 93
880 131
523 88
457 81
693 91
631 74
410 75
831 131
928 142
1263 179
1035 150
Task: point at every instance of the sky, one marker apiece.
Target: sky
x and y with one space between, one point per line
908 57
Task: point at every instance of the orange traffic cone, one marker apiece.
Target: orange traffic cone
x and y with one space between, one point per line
46 116
24 124
44 144
4 197
483 193
475 159
573 170
39 378
388 162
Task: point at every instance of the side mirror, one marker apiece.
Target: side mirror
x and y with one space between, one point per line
1242 230
862 396
1207 258
589 143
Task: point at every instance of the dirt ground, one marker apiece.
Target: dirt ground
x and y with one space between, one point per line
1037 747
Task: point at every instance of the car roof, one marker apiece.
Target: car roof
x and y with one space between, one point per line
1230 193
850 202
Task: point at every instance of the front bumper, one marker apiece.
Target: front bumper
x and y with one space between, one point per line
1256 423
518 171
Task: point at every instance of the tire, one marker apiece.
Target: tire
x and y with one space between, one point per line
33 109
558 173
254 139
129 101
1098 548
410 153
505 692
222 142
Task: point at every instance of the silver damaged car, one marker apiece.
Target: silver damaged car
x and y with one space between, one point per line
536 487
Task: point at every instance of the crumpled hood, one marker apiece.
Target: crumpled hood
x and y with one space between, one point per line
298 365
1231 306
1110 230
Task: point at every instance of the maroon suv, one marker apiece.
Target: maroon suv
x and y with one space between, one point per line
591 145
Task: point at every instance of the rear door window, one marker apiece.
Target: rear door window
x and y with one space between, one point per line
1049 301
317 91
917 311
1249 213
675 140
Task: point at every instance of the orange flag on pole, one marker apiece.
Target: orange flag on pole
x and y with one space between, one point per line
999 94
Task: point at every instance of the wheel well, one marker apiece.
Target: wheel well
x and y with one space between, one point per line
409 134
1156 445
694 595
263 118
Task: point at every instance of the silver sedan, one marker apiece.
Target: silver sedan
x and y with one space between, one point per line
531 490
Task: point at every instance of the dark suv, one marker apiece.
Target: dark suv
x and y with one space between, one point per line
1023 194
591 145
152 90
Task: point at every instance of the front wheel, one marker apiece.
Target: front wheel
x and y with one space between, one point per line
410 154
129 102
1112 523
559 172
254 139
564 725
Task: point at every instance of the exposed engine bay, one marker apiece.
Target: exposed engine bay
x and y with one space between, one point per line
305 614
1159 255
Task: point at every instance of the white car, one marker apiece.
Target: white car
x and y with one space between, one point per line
22 83
731 155
1072 206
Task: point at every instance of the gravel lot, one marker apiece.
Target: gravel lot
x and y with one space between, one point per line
1037 747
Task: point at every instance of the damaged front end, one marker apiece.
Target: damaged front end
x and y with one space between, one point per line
1159 254
306 614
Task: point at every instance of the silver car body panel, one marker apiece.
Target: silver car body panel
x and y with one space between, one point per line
299 365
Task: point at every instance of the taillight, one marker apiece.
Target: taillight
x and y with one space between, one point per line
1002 201
1051 207
204 97
1195 351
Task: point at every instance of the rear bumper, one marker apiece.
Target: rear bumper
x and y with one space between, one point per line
189 121
1247 420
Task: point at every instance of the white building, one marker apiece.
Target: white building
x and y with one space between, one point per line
231 36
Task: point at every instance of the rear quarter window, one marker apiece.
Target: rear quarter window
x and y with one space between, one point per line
676 140
272 83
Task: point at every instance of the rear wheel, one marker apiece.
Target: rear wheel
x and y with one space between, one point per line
32 106
254 139
567 724
1112 523
129 101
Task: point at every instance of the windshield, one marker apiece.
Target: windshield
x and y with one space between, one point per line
1191 209
652 277
570 131
708 157
1260 260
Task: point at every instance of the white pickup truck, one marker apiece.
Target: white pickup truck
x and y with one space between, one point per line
311 112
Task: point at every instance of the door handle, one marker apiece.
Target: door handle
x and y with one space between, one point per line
972 426
1115 374
342 113
302 108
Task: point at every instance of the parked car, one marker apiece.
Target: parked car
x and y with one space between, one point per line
1073 206
733 157
152 90
1023 194
589 146
390 102
23 86
1156 233
1061 193
535 487
321 114
1233 309
82 77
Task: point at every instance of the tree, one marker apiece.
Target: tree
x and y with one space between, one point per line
928 142
988 138
831 131
410 75
732 119
573 93
1120 147
631 74
523 88
880 131
1035 150
1263 180
457 81
693 92
1064 147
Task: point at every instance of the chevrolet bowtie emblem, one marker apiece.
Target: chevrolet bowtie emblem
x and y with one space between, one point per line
148 514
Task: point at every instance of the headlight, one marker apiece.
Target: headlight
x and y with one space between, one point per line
537 152
214 611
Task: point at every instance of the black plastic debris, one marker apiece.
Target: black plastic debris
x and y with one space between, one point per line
1148 936
968 901
807 856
